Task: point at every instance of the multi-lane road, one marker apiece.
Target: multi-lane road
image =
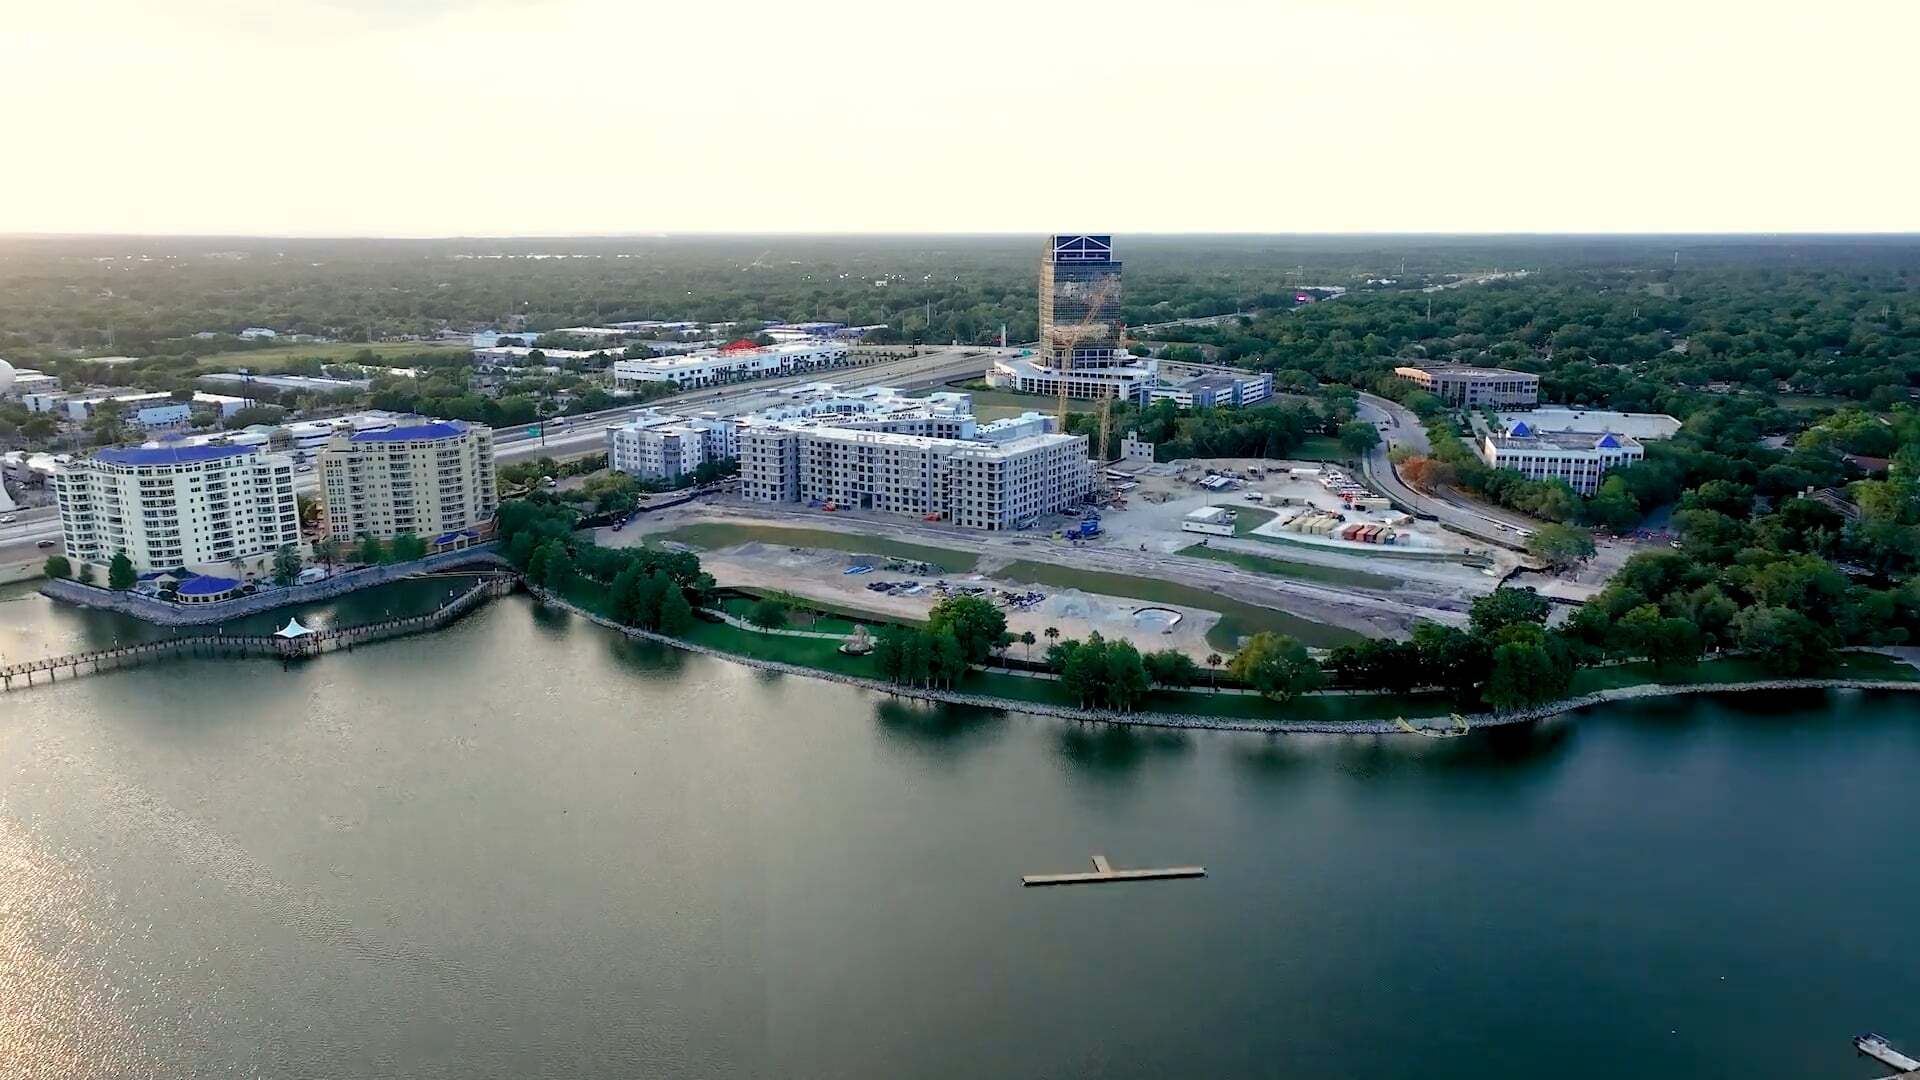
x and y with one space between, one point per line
1402 428
586 433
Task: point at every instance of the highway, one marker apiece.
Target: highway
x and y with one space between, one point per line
586 433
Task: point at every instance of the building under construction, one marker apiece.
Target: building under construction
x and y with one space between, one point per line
1080 329
1079 303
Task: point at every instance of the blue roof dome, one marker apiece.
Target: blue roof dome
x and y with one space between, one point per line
207 585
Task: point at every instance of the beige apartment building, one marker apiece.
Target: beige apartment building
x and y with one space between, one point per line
434 480
203 508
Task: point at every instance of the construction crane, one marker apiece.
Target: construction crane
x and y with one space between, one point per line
1062 340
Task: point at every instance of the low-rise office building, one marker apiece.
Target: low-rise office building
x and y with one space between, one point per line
1581 458
1468 387
1127 378
166 507
426 479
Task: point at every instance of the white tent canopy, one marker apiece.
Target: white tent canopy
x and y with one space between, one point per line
293 629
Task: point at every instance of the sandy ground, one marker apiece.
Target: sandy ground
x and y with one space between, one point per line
820 575
1156 508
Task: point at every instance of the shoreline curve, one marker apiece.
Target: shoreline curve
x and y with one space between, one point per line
1191 721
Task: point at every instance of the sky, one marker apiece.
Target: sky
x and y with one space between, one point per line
561 117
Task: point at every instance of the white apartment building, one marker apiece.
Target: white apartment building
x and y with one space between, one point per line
1580 458
432 479
656 447
981 485
165 507
734 364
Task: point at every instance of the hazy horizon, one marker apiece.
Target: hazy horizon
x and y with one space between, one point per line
553 118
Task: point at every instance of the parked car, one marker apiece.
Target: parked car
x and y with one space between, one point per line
44 544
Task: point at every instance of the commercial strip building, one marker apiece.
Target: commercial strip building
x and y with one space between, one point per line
1209 386
167 507
1581 458
1467 387
522 355
432 480
734 363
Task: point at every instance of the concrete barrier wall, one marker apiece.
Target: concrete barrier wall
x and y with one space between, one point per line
170 614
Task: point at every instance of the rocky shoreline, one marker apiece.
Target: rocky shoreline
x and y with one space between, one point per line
1436 725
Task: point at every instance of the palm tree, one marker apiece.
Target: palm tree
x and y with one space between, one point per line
1026 640
1213 663
1053 634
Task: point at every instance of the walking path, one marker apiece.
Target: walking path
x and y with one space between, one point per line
309 643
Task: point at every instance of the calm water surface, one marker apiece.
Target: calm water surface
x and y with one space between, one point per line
522 847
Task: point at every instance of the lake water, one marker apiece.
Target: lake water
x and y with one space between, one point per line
525 847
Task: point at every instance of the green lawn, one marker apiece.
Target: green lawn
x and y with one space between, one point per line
1262 564
277 357
1237 618
830 618
1250 518
1321 448
714 535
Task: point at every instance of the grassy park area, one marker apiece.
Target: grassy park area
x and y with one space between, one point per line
1300 571
279 357
713 535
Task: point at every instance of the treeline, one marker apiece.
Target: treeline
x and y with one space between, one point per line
640 587
1651 338
961 631
1720 461
1268 431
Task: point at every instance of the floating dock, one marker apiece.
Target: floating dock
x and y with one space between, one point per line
1103 871
1876 1047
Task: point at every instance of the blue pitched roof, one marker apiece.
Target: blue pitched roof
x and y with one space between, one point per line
170 455
1608 442
1520 430
437 429
448 538
205 585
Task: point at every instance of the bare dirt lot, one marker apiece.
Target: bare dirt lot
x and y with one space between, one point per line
822 576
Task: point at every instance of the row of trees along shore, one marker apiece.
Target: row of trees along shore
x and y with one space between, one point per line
1672 608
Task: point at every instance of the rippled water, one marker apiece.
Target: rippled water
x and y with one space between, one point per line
523 847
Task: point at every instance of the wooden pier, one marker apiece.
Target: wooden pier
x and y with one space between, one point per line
1103 871
74 665
1876 1047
